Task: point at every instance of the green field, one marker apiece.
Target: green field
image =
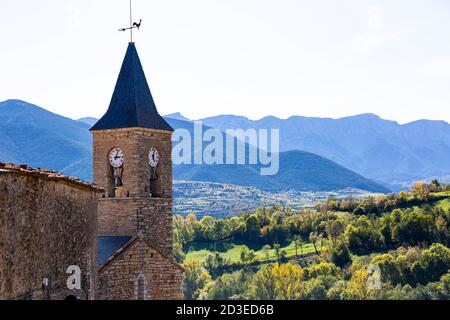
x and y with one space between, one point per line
233 254
444 204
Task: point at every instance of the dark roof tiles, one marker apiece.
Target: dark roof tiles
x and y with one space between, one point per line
108 246
132 103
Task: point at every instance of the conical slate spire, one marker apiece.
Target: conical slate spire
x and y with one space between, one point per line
132 103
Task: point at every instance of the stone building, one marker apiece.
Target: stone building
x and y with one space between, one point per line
132 161
118 231
47 224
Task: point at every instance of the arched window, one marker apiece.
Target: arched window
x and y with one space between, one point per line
140 290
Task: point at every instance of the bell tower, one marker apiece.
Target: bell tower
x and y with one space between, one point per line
132 162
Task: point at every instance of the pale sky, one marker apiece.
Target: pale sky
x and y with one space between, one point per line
326 58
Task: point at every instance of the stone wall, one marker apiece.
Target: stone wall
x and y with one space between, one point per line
139 272
146 263
135 143
47 223
149 217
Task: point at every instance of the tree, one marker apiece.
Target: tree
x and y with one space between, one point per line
321 241
435 186
298 243
283 255
434 263
321 269
214 260
277 282
336 291
313 237
314 289
335 228
178 253
266 249
357 288
247 256
277 249
390 269
442 229
196 277
340 254
385 228
207 228
228 286
252 227
443 287
288 279
414 227
363 236
264 284
420 190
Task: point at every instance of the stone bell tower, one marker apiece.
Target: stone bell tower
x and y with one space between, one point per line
132 161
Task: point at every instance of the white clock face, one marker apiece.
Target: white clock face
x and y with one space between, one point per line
153 157
116 158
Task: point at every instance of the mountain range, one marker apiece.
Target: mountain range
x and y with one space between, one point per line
298 170
30 134
382 150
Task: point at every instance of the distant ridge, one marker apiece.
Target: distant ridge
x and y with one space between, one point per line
177 116
32 135
379 149
88 120
299 170
41 139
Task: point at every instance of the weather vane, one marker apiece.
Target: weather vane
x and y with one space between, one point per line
133 25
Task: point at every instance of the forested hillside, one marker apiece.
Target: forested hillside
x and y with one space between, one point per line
327 253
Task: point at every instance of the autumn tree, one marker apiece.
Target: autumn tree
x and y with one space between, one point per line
420 190
357 287
278 282
196 277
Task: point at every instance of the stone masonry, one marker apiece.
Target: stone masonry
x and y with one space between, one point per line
139 272
144 268
119 233
135 143
47 223
152 217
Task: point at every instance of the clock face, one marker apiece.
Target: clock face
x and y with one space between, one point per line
116 158
153 157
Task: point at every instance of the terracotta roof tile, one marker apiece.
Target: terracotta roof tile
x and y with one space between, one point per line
23 169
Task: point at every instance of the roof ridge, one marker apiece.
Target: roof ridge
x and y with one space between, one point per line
117 253
47 174
128 245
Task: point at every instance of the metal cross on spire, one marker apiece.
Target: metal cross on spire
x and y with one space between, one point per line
133 25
